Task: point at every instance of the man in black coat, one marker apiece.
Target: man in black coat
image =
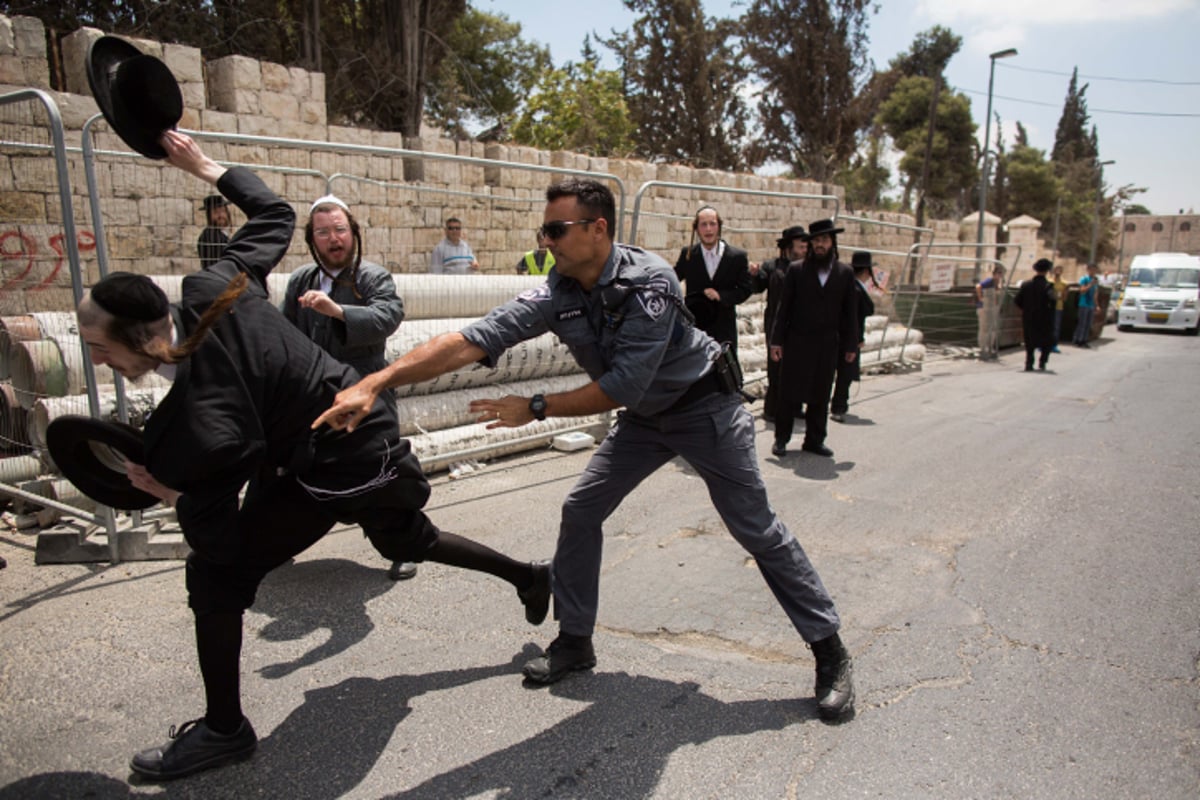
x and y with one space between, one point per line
850 371
768 276
716 277
213 238
817 324
1035 298
246 387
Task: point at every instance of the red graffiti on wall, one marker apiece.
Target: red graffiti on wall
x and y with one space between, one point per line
18 246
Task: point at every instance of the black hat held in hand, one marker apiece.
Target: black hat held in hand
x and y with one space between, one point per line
137 93
88 452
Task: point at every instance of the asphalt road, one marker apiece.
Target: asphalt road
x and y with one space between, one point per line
1015 558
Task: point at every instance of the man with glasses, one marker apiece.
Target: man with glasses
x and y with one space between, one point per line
348 306
452 255
620 311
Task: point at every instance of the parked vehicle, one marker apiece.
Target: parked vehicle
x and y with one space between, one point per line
1163 291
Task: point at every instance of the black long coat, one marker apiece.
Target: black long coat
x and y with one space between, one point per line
242 404
717 318
1035 298
815 325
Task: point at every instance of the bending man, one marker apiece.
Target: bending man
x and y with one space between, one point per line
246 386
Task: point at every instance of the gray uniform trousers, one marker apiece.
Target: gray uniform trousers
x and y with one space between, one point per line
716 437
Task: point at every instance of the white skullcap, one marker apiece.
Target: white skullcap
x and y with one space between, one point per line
328 199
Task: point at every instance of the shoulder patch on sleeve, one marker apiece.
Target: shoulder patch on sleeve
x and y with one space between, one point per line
655 297
537 294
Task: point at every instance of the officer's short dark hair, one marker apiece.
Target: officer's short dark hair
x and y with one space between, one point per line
595 198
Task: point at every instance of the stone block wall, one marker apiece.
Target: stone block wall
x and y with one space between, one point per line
152 216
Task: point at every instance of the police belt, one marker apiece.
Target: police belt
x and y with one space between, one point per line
707 384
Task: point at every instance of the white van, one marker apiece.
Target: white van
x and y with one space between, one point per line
1163 291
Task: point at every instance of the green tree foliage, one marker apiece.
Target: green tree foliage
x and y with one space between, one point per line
1077 165
486 75
1032 186
811 57
580 108
682 75
377 55
867 177
904 116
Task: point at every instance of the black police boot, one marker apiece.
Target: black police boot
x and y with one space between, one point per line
835 684
195 747
565 654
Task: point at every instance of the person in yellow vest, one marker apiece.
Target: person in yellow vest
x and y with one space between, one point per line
1060 295
536 262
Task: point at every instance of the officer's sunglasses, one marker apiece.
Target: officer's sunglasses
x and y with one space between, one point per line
558 228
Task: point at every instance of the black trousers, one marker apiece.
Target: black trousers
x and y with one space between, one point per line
847 373
280 520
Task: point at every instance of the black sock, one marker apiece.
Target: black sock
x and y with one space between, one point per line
219 648
458 551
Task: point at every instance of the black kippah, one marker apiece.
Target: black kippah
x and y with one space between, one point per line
130 296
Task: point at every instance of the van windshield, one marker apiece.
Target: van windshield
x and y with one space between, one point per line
1165 277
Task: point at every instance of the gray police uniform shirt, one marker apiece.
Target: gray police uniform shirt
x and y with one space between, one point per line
643 353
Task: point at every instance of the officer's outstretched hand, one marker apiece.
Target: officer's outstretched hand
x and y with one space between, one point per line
509 411
348 409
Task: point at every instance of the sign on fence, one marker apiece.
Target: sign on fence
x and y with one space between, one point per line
941 277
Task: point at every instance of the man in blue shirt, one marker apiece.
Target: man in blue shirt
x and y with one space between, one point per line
1089 286
620 311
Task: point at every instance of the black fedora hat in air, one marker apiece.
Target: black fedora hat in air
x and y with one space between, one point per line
822 227
789 234
88 453
860 260
137 93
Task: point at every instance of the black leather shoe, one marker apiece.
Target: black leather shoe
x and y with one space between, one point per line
536 598
402 570
816 449
779 449
195 747
565 654
838 416
835 679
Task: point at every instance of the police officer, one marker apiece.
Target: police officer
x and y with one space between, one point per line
538 261
620 311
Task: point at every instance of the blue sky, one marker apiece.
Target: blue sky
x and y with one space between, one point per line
1141 59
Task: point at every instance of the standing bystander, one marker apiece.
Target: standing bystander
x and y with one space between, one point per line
1060 287
536 262
346 305
815 326
213 238
716 277
769 276
452 255
850 371
1035 298
989 293
1089 293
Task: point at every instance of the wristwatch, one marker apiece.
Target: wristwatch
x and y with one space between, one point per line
537 407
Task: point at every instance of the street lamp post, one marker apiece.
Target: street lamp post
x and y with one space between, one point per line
1099 200
987 129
